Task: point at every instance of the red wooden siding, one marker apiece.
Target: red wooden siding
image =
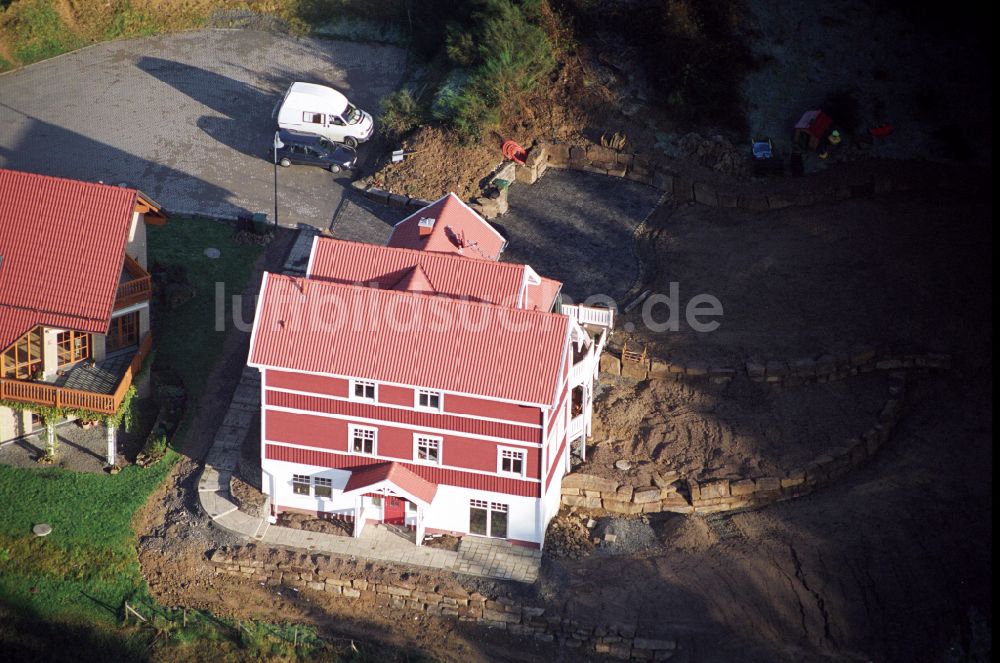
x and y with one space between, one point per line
394 442
315 384
322 432
395 395
412 418
433 474
482 407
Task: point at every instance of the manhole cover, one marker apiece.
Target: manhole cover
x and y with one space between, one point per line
212 253
41 529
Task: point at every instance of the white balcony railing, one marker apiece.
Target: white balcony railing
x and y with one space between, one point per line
581 371
576 427
590 315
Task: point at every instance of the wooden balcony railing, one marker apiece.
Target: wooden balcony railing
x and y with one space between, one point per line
40 393
138 289
590 315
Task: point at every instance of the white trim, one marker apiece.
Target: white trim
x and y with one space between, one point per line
396 406
511 450
385 485
352 396
391 459
257 314
132 308
312 253
565 359
353 430
418 391
286 369
437 440
396 424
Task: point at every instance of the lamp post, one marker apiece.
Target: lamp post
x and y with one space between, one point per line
277 144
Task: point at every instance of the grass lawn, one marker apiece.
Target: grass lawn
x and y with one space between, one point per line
82 573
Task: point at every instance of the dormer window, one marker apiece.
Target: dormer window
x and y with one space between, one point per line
428 399
363 390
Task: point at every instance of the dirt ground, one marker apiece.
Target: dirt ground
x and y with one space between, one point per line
703 430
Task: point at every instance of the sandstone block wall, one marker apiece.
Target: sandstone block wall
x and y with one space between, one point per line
422 592
686 495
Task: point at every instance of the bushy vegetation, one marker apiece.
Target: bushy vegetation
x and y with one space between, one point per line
692 51
400 114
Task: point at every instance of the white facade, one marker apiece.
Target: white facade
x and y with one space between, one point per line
450 511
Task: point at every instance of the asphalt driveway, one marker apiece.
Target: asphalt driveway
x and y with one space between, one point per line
187 117
578 228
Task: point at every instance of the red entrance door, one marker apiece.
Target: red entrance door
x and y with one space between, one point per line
394 512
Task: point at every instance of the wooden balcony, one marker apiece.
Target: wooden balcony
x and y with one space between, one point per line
136 284
42 393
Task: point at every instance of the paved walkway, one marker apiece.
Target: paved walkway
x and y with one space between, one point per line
491 558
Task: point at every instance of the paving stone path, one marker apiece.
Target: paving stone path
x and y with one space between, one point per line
491 558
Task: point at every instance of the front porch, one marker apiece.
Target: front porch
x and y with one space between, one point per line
98 387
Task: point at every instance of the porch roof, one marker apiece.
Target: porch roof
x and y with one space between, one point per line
394 476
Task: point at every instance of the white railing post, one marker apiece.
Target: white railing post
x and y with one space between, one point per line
112 437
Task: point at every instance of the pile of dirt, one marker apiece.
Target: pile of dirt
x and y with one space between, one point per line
442 541
703 430
625 536
440 162
313 524
249 499
568 537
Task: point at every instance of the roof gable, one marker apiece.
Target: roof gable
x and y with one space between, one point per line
62 244
448 225
500 283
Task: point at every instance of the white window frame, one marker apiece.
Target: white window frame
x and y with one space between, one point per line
438 442
323 482
302 480
512 450
352 431
489 508
417 393
364 384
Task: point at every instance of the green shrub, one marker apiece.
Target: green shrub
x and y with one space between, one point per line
514 55
400 114
38 31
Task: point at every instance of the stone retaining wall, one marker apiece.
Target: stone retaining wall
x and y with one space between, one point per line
420 592
810 190
819 368
671 493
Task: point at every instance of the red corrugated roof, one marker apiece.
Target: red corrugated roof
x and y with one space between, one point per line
341 261
456 229
397 475
404 338
63 244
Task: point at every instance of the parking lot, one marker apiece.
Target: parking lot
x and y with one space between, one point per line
187 119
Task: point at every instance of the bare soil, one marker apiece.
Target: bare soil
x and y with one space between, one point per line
702 430
313 524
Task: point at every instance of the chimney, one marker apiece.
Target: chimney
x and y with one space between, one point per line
425 225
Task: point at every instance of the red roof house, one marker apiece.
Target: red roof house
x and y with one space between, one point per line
448 225
432 389
74 290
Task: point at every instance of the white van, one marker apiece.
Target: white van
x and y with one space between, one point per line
321 110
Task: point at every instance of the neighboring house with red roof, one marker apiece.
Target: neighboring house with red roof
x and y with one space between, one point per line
432 390
448 225
74 296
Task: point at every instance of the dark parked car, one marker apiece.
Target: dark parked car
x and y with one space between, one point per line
312 150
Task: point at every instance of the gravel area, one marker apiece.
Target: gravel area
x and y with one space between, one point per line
625 536
578 228
80 449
